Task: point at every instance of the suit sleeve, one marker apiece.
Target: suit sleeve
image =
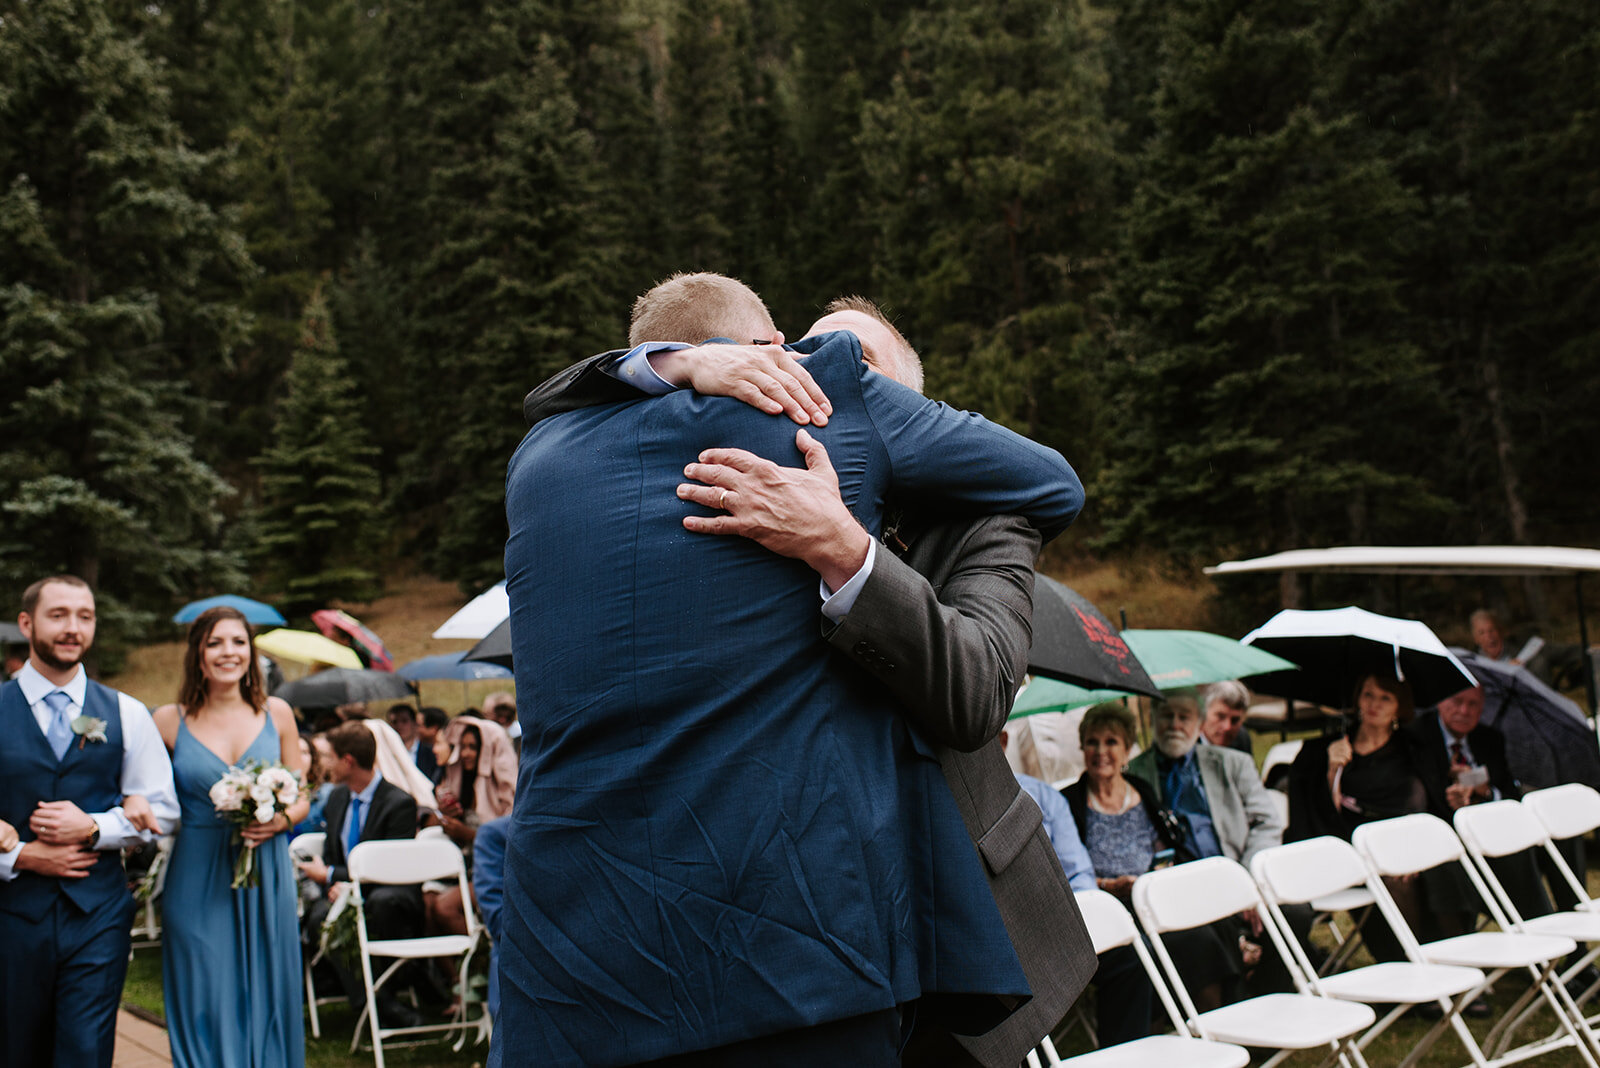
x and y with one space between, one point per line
583 385
1265 824
946 459
952 657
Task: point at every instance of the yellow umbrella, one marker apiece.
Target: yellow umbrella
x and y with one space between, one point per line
304 647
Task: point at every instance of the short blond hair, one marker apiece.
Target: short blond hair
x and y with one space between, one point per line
693 307
910 363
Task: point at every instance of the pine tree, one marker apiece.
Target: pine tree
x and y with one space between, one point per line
1266 387
512 264
988 178
110 257
319 491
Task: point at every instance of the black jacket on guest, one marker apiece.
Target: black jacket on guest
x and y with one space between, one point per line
1432 757
393 814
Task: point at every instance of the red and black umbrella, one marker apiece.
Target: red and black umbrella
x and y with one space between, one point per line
341 626
1073 642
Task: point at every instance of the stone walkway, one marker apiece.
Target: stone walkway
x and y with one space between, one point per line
140 1044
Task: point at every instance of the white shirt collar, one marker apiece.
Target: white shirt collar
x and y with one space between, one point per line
365 796
35 686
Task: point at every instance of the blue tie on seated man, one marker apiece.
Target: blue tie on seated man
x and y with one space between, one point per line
723 835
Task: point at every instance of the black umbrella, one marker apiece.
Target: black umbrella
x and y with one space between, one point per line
495 648
1548 741
1073 642
342 686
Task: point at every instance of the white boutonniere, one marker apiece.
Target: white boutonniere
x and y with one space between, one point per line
89 729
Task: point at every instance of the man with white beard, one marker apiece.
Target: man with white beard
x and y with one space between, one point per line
1216 793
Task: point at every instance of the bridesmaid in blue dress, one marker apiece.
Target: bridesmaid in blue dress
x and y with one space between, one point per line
230 959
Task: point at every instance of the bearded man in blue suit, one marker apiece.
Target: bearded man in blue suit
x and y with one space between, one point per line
726 843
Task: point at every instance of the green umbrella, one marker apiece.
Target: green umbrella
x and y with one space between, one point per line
1178 658
1174 659
1052 695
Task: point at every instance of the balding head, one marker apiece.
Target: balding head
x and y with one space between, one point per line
885 348
694 307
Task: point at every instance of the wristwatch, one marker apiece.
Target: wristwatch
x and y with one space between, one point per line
93 839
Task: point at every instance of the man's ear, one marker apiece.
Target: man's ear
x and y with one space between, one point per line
25 621
777 336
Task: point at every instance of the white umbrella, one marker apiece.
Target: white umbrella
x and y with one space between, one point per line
478 616
1336 647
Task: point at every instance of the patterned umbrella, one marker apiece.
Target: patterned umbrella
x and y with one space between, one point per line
368 646
1073 642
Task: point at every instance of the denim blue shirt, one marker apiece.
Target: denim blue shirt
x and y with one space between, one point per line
1186 795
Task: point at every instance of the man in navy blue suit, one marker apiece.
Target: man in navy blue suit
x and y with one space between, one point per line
722 836
70 751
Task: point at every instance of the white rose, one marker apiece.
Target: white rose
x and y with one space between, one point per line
219 792
226 796
261 793
265 813
277 778
288 794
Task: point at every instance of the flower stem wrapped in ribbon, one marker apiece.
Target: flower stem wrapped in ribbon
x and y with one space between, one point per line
254 792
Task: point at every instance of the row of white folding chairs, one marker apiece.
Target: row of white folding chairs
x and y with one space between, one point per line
1448 973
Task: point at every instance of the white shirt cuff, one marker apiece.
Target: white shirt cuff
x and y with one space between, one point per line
8 864
836 604
635 369
116 831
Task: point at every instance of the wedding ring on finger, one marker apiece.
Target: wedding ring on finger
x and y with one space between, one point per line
722 501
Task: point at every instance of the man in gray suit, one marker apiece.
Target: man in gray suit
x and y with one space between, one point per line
943 618
1216 792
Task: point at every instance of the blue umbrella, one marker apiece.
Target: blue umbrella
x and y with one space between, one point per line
452 666
254 611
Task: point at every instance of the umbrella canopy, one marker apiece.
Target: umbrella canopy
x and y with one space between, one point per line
1336 647
305 647
255 612
1073 642
495 648
11 634
1051 695
342 686
478 616
454 666
1548 740
368 646
1178 658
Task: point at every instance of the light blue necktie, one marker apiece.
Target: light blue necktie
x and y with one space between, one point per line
60 733
353 835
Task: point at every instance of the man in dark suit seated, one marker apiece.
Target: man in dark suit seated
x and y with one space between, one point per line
1462 761
364 808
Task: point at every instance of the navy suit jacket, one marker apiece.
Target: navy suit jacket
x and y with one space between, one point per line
721 832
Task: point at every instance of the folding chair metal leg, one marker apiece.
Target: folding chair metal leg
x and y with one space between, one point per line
311 999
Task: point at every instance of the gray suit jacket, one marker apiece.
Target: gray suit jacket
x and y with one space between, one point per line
1242 811
947 630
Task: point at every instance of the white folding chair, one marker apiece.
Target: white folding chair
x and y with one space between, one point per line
1409 845
406 862
308 846
1204 891
1110 926
1568 811
1504 828
1319 867
147 931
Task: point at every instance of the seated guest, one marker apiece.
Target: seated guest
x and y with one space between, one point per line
1226 704
1121 824
1490 636
502 708
364 808
318 755
1366 773
477 787
403 718
397 767
432 721
1059 826
1217 792
1460 762
488 890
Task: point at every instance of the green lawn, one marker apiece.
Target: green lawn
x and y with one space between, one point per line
143 990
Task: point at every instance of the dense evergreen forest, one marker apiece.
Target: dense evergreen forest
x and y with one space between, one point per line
276 274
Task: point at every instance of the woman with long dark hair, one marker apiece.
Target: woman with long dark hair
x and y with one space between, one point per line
230 958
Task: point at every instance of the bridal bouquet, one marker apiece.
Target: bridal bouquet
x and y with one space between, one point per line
253 792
